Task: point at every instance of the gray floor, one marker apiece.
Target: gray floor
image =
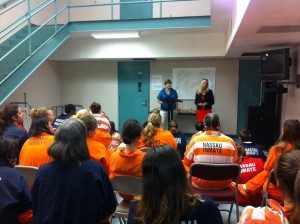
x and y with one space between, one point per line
223 213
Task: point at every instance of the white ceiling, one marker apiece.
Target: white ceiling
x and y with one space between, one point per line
269 14
261 15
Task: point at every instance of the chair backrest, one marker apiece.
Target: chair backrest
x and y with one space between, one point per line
28 172
271 179
219 172
127 184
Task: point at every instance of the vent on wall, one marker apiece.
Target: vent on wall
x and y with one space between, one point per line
279 29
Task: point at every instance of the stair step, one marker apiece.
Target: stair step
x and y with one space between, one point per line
4 47
8 69
2 76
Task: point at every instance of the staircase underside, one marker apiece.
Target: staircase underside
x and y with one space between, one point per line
30 65
15 79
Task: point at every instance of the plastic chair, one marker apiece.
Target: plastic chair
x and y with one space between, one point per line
29 172
271 179
218 172
127 185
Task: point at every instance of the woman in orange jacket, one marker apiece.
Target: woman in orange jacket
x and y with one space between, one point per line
287 173
127 159
154 135
286 142
35 150
98 152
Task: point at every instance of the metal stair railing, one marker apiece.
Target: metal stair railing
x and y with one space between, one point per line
25 20
10 29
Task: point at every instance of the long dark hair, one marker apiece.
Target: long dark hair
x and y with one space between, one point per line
288 130
287 173
70 142
8 151
39 125
289 133
6 115
166 193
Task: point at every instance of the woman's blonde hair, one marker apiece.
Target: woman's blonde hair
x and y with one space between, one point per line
40 112
154 121
201 88
83 112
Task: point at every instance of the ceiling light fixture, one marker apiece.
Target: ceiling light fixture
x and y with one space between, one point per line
116 35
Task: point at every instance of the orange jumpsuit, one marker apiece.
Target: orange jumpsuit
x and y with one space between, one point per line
210 147
103 137
98 153
259 182
35 150
160 138
123 164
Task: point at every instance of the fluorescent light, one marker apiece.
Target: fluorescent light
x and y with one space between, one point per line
116 35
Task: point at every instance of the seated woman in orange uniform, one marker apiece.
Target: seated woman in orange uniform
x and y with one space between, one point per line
127 160
34 150
98 152
42 112
287 173
291 132
154 135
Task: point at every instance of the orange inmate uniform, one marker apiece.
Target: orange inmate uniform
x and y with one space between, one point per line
259 182
98 153
210 147
274 213
123 164
103 137
34 150
160 138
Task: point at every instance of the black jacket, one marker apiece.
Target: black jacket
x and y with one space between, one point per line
207 98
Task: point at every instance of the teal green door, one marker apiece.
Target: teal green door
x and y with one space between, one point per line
134 91
249 90
136 10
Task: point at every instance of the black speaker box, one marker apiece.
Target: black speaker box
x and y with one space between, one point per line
264 120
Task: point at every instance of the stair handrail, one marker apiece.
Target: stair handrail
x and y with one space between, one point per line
12 6
112 3
9 74
30 13
32 33
55 14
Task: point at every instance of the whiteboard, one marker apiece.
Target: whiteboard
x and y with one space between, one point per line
187 80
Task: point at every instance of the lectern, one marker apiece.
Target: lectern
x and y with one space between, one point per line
171 102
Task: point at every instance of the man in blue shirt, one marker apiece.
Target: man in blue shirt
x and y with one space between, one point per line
70 110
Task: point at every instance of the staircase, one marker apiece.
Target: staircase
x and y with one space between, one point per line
29 39
27 45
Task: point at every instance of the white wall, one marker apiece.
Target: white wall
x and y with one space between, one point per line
42 87
148 46
226 90
85 82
